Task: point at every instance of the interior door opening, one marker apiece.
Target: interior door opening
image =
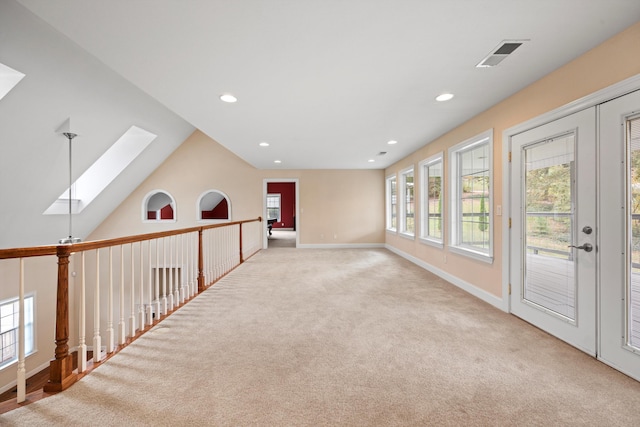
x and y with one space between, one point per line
281 213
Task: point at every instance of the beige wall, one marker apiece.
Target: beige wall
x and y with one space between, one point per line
609 63
346 204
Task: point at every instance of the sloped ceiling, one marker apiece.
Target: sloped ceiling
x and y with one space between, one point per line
63 81
328 83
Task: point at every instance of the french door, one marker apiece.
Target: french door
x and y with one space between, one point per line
619 244
554 232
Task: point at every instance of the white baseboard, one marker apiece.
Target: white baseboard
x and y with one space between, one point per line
464 285
340 246
32 372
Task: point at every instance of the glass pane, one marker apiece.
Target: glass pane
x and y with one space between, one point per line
409 224
474 197
392 184
434 204
633 221
549 267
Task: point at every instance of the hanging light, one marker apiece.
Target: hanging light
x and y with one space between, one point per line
66 131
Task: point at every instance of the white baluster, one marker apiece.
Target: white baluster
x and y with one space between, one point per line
21 380
164 276
150 292
122 336
97 340
183 288
110 337
82 348
141 305
157 287
132 297
176 275
170 271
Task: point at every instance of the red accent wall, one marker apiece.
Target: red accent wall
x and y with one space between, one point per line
221 211
287 192
166 212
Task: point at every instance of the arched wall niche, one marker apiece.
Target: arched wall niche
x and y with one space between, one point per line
158 206
213 206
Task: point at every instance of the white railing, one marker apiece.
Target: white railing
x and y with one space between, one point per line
117 289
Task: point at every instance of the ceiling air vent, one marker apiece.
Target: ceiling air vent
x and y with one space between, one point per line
498 54
382 153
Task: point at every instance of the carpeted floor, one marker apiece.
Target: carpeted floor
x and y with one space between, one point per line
282 239
341 337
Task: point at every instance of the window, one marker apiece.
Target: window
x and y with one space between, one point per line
158 206
9 323
9 78
214 205
471 197
101 173
273 207
431 200
408 205
392 203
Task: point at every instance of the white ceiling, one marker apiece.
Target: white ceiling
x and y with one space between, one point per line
328 83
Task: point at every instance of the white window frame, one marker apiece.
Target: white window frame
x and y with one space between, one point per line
279 196
455 224
29 323
389 205
424 167
403 202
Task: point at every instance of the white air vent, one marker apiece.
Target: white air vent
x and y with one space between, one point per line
382 153
498 54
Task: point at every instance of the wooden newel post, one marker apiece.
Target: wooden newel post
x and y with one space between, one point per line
200 262
61 375
241 258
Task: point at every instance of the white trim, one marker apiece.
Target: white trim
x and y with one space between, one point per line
485 296
29 374
341 246
485 137
616 90
387 204
265 230
402 202
424 194
145 201
212 221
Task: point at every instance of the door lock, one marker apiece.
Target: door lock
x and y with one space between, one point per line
587 247
587 230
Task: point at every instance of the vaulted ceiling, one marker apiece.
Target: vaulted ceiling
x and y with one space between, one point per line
325 83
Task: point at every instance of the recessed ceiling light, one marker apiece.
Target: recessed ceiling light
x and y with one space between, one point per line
264 144
371 160
392 142
444 97
277 161
227 97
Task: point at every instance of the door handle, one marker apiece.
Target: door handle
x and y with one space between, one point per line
587 247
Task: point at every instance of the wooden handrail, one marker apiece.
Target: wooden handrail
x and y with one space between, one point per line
61 367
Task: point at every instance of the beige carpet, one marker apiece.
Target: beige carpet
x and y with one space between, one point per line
282 239
341 337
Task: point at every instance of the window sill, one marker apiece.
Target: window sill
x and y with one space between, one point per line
432 242
471 253
392 230
407 236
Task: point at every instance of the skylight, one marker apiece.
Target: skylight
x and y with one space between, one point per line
8 79
103 171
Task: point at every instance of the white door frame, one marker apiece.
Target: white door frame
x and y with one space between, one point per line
619 89
265 181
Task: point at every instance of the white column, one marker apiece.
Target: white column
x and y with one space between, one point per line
97 340
82 347
21 380
110 338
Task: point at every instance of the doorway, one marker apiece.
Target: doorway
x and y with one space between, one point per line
575 235
280 202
